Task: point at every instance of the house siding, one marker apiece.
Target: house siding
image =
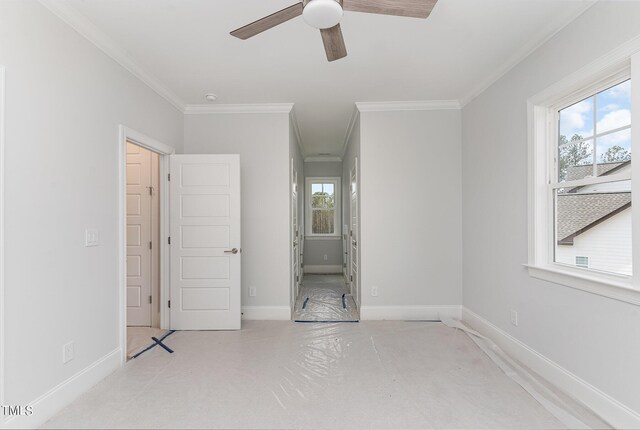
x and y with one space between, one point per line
608 245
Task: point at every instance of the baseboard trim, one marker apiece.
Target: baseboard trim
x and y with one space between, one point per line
410 313
54 400
611 410
266 313
323 269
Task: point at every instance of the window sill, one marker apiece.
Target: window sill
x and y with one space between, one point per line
337 237
611 286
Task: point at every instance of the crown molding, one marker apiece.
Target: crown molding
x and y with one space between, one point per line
352 123
85 28
296 129
323 159
407 105
519 57
238 108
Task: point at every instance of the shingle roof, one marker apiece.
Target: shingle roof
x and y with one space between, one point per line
577 213
575 173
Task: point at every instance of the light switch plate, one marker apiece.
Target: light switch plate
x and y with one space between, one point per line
91 237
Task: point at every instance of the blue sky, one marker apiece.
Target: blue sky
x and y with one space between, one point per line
613 111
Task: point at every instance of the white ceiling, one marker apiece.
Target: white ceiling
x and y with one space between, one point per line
460 49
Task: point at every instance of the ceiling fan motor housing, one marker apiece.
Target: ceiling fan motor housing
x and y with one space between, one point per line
322 14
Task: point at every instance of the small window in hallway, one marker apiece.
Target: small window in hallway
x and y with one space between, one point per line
324 206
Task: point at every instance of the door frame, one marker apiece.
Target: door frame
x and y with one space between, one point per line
355 288
164 151
2 271
295 283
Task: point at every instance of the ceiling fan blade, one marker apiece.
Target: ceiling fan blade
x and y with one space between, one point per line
411 8
268 22
333 43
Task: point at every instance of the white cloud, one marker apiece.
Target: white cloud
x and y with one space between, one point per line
574 118
613 120
609 108
621 91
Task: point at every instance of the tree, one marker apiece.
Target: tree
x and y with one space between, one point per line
615 154
322 212
572 153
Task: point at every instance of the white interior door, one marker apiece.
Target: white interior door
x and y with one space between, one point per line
205 242
295 236
139 208
353 233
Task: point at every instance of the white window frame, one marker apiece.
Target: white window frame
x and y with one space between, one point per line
543 134
336 213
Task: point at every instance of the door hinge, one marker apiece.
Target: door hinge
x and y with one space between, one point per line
351 278
297 278
150 245
169 240
169 303
168 176
150 300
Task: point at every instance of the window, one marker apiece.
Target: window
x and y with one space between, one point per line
582 261
592 182
580 180
323 206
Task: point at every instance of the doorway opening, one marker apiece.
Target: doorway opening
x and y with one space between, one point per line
143 231
322 288
142 210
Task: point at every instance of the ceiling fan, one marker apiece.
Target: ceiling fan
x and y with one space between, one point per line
325 15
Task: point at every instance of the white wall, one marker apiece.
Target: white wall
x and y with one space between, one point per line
315 250
65 100
262 140
323 168
410 182
593 337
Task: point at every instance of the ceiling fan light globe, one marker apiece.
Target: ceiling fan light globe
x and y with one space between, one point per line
322 14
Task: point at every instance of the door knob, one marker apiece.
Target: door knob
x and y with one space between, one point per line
232 251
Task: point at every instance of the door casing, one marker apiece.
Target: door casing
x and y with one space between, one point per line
354 232
296 237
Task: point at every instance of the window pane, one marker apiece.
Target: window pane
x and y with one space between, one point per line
614 107
319 200
575 160
593 227
614 148
323 196
322 222
576 121
328 188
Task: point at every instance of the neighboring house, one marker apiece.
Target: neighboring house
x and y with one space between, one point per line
593 226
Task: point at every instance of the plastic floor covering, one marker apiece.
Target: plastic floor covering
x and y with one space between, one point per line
282 375
324 298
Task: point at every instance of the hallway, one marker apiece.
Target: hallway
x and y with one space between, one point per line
325 298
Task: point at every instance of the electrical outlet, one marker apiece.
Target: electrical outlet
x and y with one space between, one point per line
326 257
91 237
67 352
252 291
514 318
374 291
